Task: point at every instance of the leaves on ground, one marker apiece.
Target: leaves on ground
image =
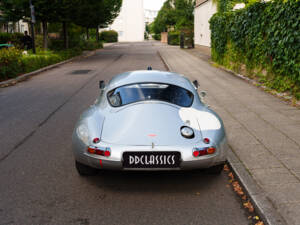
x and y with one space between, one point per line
226 168
259 223
237 188
248 205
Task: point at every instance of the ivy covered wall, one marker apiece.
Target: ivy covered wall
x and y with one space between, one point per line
262 39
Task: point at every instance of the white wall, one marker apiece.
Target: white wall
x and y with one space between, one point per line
202 15
130 24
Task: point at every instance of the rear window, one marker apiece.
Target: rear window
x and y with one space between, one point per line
150 92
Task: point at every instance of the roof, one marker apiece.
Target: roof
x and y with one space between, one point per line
144 76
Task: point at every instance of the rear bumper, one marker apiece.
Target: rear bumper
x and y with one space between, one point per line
106 164
115 161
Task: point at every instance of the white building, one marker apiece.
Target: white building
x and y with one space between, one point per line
130 24
204 10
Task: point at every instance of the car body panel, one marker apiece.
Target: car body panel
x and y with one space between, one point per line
149 126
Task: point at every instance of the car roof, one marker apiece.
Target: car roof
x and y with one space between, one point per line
146 76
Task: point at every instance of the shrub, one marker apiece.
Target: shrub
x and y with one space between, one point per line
174 38
9 63
109 36
15 38
262 36
157 37
34 62
146 36
58 45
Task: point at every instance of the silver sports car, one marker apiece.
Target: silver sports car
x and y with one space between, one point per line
149 120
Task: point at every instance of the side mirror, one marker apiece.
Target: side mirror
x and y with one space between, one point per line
202 94
102 84
196 84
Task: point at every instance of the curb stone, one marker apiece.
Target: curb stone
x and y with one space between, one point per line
262 205
26 76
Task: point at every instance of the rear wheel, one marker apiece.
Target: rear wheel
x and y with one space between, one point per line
85 170
216 169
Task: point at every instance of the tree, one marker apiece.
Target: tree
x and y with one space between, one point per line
86 13
97 13
176 14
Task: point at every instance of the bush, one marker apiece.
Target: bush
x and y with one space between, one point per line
262 36
15 38
57 44
34 62
157 37
10 63
146 36
174 38
109 36
13 63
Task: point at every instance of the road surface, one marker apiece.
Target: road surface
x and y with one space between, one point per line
38 180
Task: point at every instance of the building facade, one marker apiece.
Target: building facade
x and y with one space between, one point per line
204 10
130 24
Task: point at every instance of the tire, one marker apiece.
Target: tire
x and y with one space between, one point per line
85 170
216 169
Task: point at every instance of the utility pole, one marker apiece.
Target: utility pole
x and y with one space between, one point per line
32 25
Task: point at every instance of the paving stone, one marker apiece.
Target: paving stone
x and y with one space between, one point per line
263 131
291 213
283 193
240 138
292 162
257 158
273 176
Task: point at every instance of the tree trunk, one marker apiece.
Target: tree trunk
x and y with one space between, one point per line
97 34
65 32
45 35
87 34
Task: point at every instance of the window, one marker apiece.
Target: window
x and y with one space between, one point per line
150 92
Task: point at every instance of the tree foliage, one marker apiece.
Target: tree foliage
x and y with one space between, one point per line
175 14
86 13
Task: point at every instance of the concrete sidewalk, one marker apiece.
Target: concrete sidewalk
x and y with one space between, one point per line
263 131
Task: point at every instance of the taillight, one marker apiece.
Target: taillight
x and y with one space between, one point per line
197 152
96 140
99 151
206 140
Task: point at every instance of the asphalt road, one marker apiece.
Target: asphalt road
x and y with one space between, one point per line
39 183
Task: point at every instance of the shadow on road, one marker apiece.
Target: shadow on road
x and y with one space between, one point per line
168 182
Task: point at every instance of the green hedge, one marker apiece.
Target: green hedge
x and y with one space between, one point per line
10 63
15 38
13 62
174 38
109 36
157 37
265 37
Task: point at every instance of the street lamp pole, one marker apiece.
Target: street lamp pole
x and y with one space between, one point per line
32 25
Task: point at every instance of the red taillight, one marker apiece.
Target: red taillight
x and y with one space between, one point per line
107 153
95 151
96 140
196 153
203 151
206 140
